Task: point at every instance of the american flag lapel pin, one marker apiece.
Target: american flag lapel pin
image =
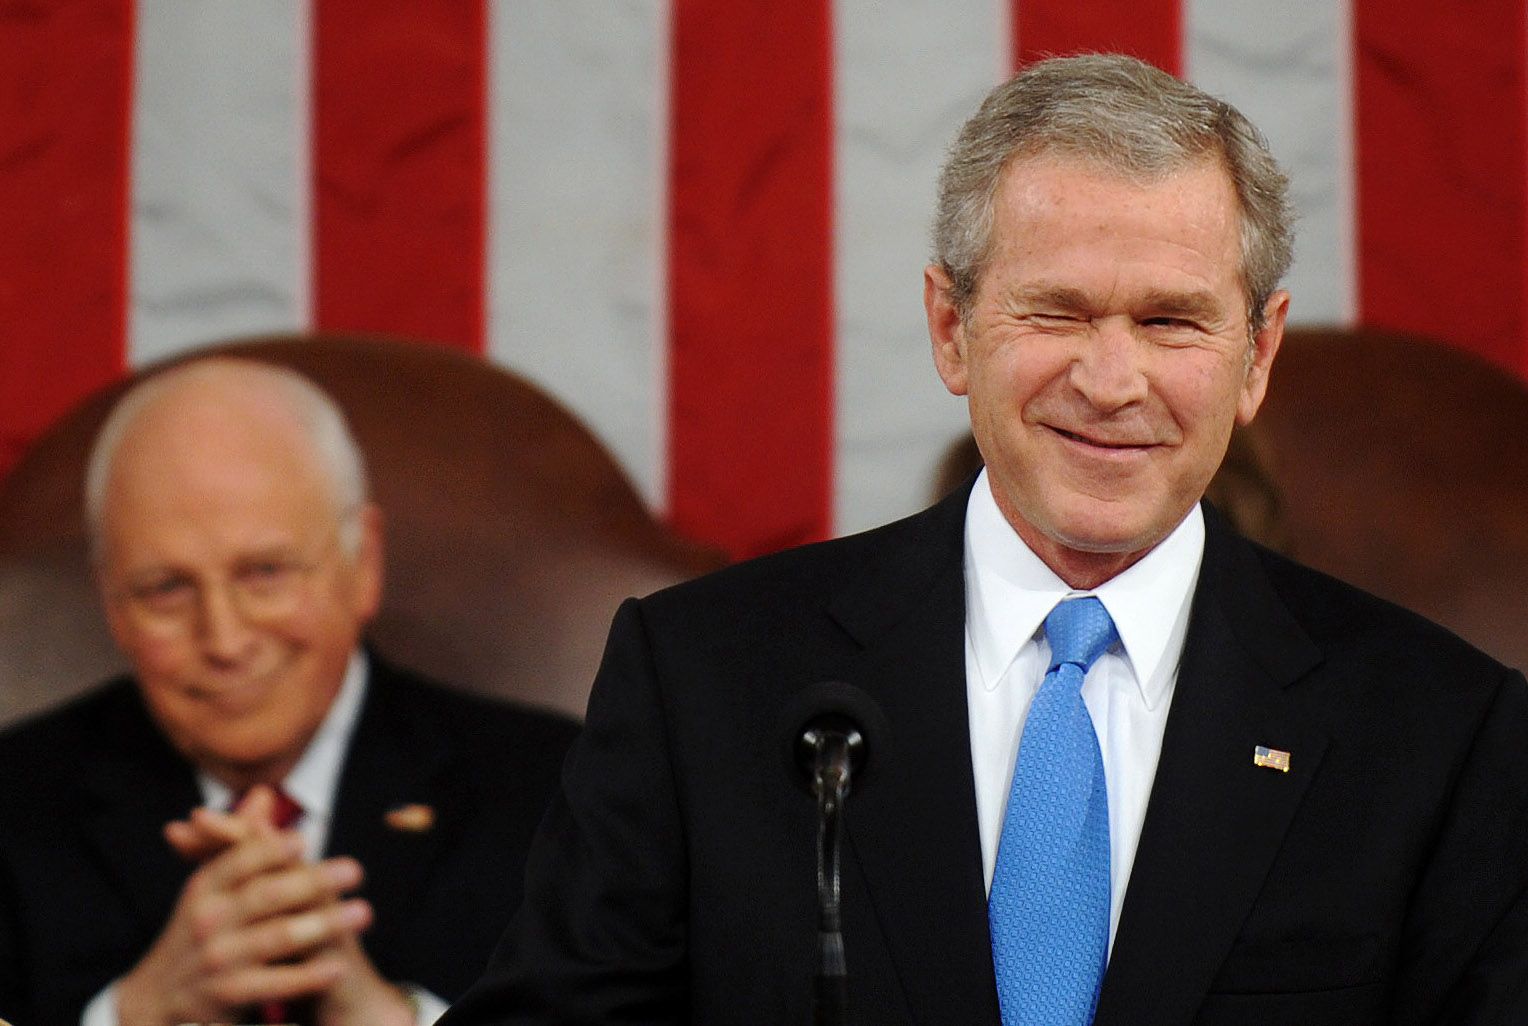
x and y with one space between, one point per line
1270 758
410 819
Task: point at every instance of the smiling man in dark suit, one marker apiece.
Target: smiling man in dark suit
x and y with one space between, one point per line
239 561
1138 771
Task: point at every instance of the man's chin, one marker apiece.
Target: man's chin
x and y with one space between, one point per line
245 753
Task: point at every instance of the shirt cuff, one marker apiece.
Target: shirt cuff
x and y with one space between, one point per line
427 1006
102 1010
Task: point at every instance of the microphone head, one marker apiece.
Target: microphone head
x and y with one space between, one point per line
833 706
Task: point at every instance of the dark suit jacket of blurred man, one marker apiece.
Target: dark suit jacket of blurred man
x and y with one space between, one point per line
87 880
1381 880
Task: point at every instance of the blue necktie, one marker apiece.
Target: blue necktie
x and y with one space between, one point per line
1049 905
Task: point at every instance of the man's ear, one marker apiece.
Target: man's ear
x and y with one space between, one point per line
1265 346
111 605
946 330
368 564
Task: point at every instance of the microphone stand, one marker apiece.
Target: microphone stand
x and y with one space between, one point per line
832 751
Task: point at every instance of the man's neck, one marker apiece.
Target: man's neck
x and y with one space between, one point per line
240 777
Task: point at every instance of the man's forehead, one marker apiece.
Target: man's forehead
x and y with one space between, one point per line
220 481
138 540
1050 210
226 484
1050 172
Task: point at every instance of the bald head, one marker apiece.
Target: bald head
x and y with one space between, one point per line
186 413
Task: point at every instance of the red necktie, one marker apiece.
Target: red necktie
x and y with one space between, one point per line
288 811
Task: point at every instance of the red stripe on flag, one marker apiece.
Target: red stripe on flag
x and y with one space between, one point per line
750 274
399 124
1149 29
1443 173
65 87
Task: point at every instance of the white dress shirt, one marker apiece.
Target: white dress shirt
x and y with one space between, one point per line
1009 592
312 783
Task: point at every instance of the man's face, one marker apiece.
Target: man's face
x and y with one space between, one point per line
226 584
1106 356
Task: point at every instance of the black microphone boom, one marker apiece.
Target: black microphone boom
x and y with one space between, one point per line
834 728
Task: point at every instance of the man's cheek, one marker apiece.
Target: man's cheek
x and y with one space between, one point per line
160 657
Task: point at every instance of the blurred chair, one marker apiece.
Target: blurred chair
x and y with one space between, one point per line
511 533
1392 462
1401 465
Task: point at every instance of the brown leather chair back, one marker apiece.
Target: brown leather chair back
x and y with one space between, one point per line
511 533
1401 465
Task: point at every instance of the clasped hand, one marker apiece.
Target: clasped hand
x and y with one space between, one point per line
257 923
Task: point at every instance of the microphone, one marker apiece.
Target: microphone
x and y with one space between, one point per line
833 728
822 711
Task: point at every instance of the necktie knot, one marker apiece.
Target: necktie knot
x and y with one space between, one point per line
285 810
288 810
1079 631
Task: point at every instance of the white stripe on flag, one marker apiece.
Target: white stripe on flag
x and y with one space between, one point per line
578 142
219 174
907 76
1288 68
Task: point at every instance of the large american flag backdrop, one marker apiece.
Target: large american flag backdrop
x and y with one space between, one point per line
699 223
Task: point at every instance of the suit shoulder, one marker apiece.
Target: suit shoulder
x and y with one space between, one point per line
793 575
64 731
41 757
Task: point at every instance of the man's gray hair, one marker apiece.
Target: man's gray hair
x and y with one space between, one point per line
1125 117
333 446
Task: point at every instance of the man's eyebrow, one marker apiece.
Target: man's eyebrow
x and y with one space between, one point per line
1195 305
150 574
266 550
1054 296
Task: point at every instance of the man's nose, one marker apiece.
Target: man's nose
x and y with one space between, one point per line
223 628
1108 369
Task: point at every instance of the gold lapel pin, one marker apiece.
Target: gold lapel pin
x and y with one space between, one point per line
1270 758
410 819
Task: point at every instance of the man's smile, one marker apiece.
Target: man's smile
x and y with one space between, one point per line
1101 443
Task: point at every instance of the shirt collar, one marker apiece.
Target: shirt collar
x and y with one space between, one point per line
1010 591
313 781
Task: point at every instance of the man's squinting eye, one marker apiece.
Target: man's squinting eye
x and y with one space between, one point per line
164 591
1172 326
1056 320
267 573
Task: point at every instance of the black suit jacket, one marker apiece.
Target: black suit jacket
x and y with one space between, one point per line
87 880
1380 880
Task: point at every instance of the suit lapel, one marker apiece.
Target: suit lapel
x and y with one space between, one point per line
1214 820
134 783
911 824
393 813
